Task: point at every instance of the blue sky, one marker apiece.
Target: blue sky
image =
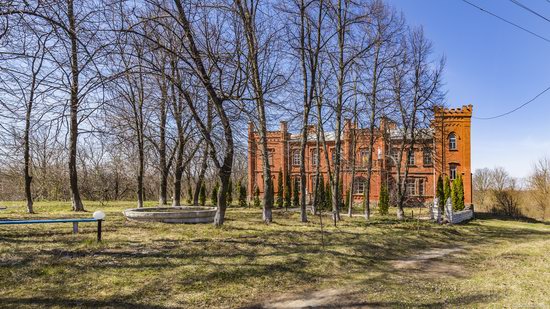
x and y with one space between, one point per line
496 67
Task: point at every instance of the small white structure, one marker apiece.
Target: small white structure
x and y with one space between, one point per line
436 212
451 216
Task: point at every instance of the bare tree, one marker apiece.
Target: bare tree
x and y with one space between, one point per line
539 182
25 79
482 182
308 17
385 31
416 84
76 55
257 52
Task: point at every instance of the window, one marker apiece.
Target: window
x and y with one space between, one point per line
359 185
427 156
452 171
363 156
296 157
316 178
421 187
394 153
333 154
270 156
411 186
415 186
314 158
297 182
410 157
452 141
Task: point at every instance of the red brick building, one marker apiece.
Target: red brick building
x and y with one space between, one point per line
444 148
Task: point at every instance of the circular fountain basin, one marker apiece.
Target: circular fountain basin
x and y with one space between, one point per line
176 214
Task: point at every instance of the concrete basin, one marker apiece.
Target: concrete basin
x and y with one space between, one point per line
177 214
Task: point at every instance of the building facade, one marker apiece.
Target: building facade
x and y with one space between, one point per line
441 149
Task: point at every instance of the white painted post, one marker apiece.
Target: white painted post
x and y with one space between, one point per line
436 212
449 210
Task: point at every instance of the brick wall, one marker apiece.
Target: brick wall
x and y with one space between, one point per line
282 145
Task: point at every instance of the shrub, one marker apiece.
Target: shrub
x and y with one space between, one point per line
506 197
507 203
384 200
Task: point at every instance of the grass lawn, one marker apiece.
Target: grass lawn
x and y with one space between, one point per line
382 263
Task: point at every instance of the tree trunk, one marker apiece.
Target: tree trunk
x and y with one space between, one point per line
141 172
178 172
200 180
73 143
249 21
27 155
225 167
353 162
204 163
317 171
163 199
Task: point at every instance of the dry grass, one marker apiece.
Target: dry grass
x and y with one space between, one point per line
246 263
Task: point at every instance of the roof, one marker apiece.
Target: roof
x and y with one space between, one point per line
329 136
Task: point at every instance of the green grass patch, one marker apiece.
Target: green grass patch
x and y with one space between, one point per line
245 263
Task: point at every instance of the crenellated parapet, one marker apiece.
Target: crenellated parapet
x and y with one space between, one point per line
464 111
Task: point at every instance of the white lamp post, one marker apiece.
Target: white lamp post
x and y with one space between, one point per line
99 215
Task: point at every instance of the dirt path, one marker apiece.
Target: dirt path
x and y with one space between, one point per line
428 263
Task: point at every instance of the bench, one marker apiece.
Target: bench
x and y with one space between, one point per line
75 222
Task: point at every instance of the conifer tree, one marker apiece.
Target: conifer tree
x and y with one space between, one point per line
446 189
454 194
257 202
384 200
296 197
242 195
280 190
202 195
321 195
288 189
460 193
440 193
230 193
328 196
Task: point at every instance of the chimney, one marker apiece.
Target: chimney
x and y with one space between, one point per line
283 127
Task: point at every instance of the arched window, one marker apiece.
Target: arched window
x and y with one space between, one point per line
452 171
452 141
296 157
359 185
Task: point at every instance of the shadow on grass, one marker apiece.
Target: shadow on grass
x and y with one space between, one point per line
72 303
246 251
488 215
